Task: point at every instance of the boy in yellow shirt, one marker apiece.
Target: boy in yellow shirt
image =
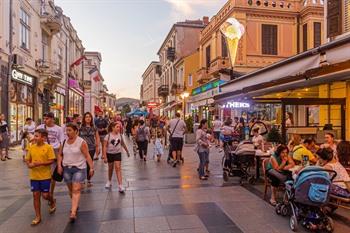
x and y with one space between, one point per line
39 158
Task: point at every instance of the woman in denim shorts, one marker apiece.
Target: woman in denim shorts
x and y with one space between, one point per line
71 161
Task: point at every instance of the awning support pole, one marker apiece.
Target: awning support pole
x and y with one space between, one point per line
283 123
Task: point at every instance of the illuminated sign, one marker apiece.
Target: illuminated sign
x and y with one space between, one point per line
152 105
236 105
207 87
19 76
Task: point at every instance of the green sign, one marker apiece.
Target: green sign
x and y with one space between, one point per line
207 87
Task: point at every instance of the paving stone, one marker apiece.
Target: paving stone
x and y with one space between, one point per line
184 222
151 224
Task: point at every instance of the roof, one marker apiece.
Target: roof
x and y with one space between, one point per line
187 23
148 69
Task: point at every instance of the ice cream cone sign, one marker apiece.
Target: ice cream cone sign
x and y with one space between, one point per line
232 30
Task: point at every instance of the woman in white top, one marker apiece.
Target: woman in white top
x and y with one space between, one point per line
257 139
328 161
71 160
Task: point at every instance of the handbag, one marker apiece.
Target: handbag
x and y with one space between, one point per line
55 175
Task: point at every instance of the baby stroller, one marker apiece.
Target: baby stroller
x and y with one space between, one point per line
237 161
305 198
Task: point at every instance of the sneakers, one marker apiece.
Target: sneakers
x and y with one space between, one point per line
108 185
121 189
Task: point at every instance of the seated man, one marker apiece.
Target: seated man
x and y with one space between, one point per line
302 154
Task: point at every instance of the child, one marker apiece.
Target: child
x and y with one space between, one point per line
25 144
112 153
39 158
158 147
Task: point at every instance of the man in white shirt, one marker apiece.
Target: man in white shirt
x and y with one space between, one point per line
176 129
29 126
217 124
55 139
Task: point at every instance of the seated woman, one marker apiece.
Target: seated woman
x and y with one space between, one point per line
343 152
257 139
328 161
278 169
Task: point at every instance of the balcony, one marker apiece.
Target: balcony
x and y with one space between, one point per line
176 89
163 91
203 75
49 72
170 54
217 65
50 19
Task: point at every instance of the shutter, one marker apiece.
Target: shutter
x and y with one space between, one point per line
334 14
207 56
305 37
317 34
347 15
223 47
269 39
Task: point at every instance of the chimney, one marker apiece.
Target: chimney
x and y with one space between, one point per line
205 20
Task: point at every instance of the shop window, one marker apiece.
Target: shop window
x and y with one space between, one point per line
305 37
207 56
317 34
269 39
24 29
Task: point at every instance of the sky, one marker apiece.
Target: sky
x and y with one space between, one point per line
129 33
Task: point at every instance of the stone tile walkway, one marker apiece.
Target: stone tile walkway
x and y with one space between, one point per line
159 199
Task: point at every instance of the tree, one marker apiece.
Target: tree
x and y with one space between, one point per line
126 109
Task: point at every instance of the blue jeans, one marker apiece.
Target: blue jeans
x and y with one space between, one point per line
74 175
203 159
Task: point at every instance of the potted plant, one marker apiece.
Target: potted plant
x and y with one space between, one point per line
190 137
274 136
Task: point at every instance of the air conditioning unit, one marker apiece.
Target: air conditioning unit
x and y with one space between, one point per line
18 60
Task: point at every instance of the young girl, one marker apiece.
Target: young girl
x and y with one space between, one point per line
24 144
112 153
158 147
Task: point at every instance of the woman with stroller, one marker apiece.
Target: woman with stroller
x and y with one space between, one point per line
278 168
329 162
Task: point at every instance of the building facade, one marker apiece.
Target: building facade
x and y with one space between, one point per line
181 41
41 63
273 31
150 85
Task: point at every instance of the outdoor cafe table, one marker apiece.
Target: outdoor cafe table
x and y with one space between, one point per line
260 155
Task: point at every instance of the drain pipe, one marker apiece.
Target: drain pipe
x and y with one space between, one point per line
10 62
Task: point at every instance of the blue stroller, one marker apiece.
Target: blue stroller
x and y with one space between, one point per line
305 198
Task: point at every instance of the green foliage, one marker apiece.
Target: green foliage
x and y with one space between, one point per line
126 109
274 136
189 124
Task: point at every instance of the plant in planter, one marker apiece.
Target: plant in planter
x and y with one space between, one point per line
190 136
274 136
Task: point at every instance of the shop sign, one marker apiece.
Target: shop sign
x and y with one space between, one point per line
61 90
19 76
236 105
152 105
207 87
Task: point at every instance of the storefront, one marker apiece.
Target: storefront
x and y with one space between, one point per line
300 95
201 102
76 98
21 91
57 106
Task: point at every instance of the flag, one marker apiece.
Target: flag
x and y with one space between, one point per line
94 74
78 62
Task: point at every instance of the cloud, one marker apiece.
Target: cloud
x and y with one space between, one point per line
181 9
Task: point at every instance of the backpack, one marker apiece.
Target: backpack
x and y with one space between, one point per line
141 134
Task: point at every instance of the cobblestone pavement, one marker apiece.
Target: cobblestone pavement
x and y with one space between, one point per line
159 198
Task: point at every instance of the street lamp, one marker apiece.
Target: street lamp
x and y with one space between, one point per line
183 96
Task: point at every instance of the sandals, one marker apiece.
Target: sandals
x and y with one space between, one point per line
52 209
203 178
89 184
72 217
36 221
273 202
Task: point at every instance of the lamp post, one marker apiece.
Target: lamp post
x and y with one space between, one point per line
184 95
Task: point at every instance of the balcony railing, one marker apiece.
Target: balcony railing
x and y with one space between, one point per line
49 69
163 90
50 18
218 64
203 75
176 89
170 54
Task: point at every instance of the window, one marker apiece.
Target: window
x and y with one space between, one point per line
60 56
269 39
223 47
305 37
317 34
190 81
45 47
24 27
347 15
207 56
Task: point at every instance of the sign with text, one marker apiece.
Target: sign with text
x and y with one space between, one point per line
236 105
19 76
